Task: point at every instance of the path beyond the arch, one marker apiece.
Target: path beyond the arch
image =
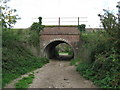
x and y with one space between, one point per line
59 74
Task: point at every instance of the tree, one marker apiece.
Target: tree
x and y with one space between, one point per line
8 16
112 27
109 21
37 26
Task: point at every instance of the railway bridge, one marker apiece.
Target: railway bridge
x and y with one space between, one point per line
54 35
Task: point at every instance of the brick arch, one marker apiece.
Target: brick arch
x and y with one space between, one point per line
52 44
69 35
58 39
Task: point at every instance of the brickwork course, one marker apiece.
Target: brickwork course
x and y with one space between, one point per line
52 36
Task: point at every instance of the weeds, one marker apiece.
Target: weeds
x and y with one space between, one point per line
75 61
104 72
102 62
24 82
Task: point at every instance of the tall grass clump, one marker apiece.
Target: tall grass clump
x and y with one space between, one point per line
100 53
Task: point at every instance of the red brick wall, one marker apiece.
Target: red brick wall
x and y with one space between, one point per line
69 35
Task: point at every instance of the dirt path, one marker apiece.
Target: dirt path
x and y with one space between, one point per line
57 74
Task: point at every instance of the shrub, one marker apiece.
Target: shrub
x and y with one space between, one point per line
104 72
35 26
82 27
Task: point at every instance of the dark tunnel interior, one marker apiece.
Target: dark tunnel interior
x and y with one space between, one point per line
52 51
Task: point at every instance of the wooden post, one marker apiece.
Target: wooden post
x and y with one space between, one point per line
78 21
59 21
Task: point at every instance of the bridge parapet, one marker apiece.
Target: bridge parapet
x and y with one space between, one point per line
60 30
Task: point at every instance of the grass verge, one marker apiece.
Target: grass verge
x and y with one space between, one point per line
25 81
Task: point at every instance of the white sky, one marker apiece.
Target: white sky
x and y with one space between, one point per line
28 10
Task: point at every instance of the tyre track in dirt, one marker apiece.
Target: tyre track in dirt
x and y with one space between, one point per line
59 74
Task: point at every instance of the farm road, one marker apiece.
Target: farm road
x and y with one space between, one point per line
59 74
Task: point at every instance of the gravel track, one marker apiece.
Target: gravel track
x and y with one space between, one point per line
57 74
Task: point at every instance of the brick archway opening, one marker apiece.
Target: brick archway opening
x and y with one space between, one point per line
51 52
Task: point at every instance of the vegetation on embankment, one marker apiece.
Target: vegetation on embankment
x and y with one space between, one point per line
100 61
16 58
100 54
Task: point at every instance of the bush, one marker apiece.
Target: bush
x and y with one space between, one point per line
82 27
35 26
75 61
104 72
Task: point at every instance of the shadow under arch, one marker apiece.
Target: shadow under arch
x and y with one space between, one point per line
49 50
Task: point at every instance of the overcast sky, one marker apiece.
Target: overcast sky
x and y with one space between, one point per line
29 10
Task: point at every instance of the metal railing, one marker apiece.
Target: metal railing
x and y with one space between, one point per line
64 20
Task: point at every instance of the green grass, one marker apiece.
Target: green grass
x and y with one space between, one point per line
63 53
0 79
24 82
16 59
74 61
